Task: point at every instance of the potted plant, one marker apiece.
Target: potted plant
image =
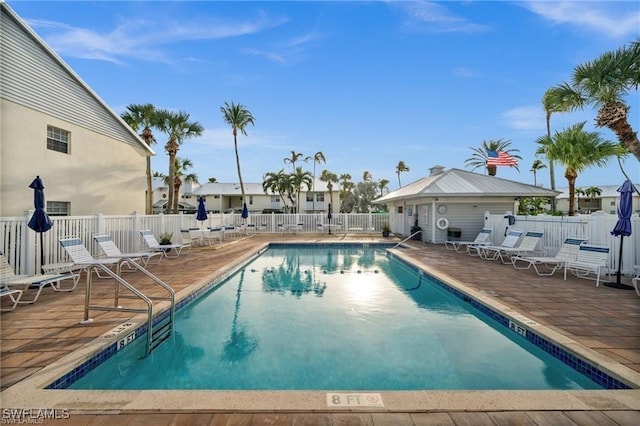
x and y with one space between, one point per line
386 230
165 238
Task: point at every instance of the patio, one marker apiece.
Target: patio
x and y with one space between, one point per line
604 320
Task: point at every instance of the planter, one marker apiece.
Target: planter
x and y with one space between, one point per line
385 234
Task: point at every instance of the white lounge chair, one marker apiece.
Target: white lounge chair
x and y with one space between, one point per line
636 280
83 259
110 249
568 253
591 263
488 251
12 283
154 245
528 245
13 294
481 239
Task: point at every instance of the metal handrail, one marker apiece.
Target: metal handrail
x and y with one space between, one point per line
135 291
408 238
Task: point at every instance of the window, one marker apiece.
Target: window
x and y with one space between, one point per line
320 197
57 139
613 203
58 208
309 197
275 200
250 199
399 209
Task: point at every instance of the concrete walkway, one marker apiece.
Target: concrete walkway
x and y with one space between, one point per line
604 320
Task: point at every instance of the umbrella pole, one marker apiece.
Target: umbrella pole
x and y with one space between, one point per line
41 255
618 272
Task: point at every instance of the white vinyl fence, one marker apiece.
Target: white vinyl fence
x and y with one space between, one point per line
21 245
596 227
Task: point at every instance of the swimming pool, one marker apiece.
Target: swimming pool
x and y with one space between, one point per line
329 317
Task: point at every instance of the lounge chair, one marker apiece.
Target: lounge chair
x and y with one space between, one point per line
110 249
213 234
492 251
481 239
591 263
11 283
528 245
635 281
568 253
13 294
155 246
83 259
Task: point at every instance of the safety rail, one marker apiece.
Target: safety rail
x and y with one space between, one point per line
407 239
154 337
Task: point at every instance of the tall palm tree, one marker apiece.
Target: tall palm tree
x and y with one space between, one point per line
537 165
180 176
382 184
367 176
299 178
330 178
401 167
143 116
212 180
279 183
603 83
179 128
577 150
480 155
295 156
238 117
346 187
318 157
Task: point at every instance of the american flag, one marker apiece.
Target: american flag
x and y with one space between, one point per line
500 158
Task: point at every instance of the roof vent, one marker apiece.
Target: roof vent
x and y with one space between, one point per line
436 170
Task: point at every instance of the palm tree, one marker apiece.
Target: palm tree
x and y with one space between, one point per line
330 178
577 150
346 187
537 165
295 156
238 117
279 183
318 157
180 176
367 176
401 167
179 128
480 155
299 178
143 116
603 83
592 192
382 184
212 180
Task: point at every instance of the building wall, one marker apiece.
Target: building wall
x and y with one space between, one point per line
100 175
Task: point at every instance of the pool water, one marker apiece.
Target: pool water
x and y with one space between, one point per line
333 318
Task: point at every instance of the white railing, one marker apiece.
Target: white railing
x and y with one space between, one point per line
596 227
21 245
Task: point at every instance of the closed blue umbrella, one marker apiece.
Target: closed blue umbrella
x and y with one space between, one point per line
245 211
623 225
202 210
329 216
40 221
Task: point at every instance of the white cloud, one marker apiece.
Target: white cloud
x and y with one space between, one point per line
525 118
434 17
602 17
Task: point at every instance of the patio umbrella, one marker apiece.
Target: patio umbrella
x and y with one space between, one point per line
201 215
245 212
623 227
329 216
40 221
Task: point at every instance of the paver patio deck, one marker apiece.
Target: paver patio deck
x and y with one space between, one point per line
605 320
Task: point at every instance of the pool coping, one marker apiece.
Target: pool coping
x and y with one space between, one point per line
25 393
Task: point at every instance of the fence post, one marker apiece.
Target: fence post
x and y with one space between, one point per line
135 231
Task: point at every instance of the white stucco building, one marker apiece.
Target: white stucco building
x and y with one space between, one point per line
52 124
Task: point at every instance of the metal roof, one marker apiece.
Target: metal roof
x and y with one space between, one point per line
608 191
462 183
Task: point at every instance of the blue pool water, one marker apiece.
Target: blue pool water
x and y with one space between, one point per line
334 318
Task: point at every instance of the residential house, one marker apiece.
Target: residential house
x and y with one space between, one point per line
453 203
52 124
606 202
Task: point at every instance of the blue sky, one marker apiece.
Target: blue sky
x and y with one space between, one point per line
366 83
